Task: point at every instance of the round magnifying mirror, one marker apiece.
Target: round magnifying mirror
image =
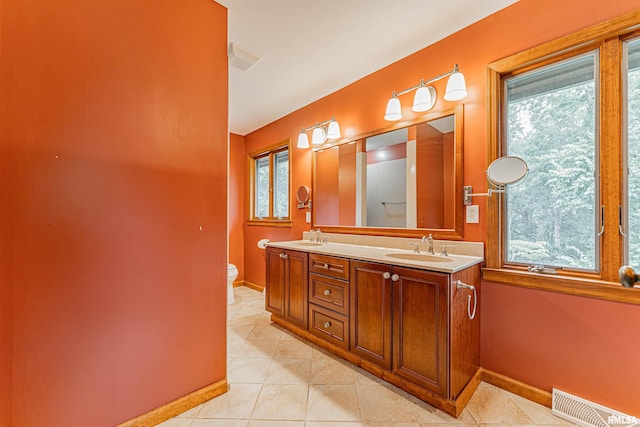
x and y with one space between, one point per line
507 170
303 194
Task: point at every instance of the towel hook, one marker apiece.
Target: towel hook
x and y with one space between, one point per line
462 285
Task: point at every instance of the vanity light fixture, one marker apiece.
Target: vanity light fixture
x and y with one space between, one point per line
425 97
329 129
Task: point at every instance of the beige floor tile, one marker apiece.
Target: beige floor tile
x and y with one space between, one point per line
365 378
258 348
380 404
289 371
237 402
176 422
293 348
280 380
428 415
248 318
233 346
540 415
451 425
248 370
490 405
265 332
330 371
282 402
279 423
333 424
219 423
390 424
333 403
240 332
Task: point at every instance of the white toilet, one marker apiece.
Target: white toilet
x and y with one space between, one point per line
232 274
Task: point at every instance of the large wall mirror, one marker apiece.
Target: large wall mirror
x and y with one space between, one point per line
405 181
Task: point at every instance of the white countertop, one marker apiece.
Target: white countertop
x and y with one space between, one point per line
445 264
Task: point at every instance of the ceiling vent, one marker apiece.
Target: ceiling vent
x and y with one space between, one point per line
242 58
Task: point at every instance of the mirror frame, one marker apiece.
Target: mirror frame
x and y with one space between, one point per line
456 233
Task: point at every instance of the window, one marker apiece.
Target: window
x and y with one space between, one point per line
632 103
270 186
551 123
559 107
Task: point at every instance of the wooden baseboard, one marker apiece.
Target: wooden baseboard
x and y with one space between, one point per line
252 286
178 406
527 391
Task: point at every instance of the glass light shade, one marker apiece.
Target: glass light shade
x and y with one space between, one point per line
333 132
424 99
393 110
456 87
303 140
318 136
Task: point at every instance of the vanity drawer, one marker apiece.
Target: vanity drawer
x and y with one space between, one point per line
329 292
329 325
329 266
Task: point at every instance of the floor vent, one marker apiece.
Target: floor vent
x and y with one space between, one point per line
585 413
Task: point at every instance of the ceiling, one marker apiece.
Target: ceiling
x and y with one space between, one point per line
311 48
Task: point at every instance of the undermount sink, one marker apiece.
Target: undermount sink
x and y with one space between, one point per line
421 257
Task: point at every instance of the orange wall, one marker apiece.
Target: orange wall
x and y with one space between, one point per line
360 106
237 176
113 119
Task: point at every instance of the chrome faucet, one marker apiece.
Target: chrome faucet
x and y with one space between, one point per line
430 240
416 247
312 236
318 236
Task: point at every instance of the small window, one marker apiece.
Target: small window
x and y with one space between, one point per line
270 186
631 227
552 217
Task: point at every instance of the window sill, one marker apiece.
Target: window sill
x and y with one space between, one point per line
271 223
590 288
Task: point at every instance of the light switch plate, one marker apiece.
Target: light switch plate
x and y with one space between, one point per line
473 214
308 216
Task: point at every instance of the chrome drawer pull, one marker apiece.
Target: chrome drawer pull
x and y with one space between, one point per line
327 292
327 324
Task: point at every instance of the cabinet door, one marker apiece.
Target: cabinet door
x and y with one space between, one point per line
297 288
370 319
420 316
275 277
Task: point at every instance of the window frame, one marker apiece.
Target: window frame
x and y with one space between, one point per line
269 152
607 38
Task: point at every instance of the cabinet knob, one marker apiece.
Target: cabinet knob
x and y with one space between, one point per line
327 324
284 256
327 292
386 275
395 277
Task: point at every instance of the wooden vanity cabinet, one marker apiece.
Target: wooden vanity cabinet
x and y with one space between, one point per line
329 299
287 287
415 324
420 317
371 312
409 326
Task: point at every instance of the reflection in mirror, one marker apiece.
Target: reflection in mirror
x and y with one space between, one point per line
398 181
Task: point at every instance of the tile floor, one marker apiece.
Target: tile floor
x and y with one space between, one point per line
279 380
